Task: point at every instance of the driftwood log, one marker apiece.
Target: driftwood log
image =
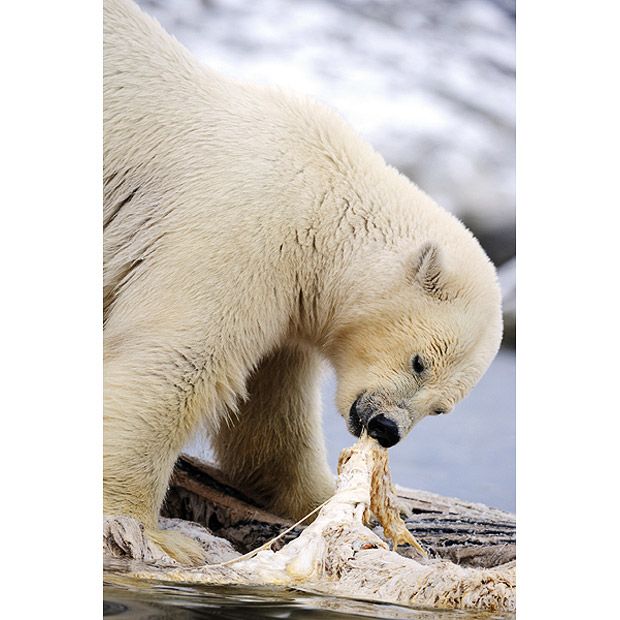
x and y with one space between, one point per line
468 563
462 532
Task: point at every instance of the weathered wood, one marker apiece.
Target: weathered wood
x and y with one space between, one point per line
465 533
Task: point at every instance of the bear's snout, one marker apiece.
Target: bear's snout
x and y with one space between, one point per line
379 426
384 430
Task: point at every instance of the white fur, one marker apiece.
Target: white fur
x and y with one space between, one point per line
249 233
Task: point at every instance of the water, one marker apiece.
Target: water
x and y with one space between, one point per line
127 599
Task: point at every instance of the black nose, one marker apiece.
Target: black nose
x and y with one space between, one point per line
384 430
355 424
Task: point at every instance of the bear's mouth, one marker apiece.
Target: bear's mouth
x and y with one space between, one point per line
355 423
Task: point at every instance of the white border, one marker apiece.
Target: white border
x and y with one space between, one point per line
567 205
50 255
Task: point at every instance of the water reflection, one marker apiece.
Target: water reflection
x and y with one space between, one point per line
126 599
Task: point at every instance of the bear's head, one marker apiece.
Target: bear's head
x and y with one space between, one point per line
421 345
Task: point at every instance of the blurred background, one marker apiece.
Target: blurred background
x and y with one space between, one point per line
431 85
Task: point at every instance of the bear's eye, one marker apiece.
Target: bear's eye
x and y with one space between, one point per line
417 364
438 412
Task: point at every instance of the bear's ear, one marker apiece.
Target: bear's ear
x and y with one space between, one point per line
426 270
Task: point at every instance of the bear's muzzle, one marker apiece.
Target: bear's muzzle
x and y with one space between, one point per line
378 425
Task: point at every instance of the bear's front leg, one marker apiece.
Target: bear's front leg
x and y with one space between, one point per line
275 450
148 415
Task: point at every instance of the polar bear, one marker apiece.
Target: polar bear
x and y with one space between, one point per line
248 235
